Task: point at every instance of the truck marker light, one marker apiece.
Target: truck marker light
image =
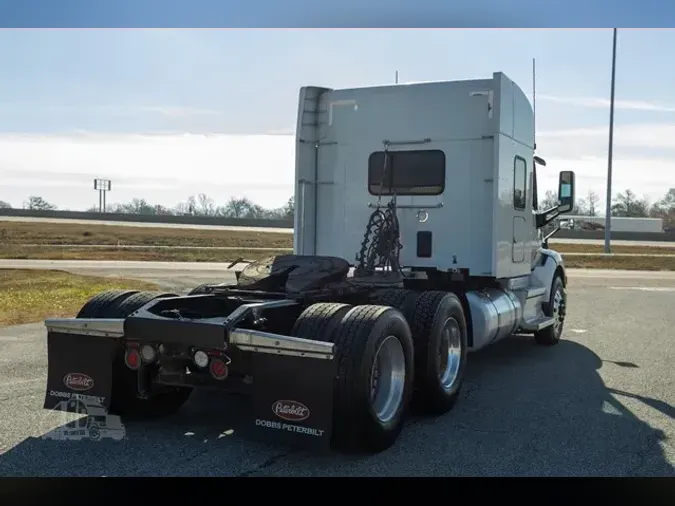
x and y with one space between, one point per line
218 369
132 359
200 358
148 353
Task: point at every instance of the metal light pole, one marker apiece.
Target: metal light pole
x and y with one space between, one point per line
608 210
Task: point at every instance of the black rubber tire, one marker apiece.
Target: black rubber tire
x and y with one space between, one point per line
357 338
124 401
319 321
550 336
433 308
98 305
123 307
402 299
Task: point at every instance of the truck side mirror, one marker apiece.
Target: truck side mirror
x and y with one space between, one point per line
566 191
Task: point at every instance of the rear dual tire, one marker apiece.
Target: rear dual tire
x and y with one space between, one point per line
375 366
439 331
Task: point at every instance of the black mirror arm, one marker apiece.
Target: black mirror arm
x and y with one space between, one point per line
545 217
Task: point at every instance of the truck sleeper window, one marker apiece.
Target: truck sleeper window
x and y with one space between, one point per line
408 172
519 183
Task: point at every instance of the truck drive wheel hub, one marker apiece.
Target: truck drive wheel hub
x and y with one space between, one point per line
558 310
387 379
449 353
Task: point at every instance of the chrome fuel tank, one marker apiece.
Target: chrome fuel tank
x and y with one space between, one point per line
495 314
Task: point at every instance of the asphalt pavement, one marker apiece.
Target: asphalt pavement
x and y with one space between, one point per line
599 403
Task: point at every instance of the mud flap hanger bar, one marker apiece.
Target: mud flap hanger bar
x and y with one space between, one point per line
210 332
265 342
95 327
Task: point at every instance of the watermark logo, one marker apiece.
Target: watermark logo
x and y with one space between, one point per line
95 425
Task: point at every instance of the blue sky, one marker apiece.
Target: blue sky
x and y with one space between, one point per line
76 104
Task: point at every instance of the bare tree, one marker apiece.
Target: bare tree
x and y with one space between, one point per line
202 205
205 205
181 209
550 200
237 208
665 209
5 205
627 204
138 206
580 208
290 208
191 205
38 204
592 201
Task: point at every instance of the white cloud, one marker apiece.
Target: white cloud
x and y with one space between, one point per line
633 140
644 158
117 110
163 168
168 111
645 176
604 103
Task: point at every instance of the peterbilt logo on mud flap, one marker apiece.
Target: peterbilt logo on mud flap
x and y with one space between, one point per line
78 381
291 411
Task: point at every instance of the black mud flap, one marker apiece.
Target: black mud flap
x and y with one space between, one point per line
293 400
79 368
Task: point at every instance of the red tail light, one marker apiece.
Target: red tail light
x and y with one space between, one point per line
218 369
132 359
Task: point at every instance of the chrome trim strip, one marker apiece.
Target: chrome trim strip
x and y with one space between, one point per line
264 342
102 327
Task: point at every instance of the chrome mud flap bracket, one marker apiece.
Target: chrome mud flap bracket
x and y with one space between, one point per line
79 366
292 388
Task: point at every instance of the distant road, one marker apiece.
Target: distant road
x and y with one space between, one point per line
146 225
182 276
615 242
282 230
290 250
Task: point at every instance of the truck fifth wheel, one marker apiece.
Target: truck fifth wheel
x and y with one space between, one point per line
418 238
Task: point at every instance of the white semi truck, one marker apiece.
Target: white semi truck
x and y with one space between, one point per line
417 239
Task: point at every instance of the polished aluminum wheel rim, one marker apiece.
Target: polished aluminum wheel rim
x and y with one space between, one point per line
387 379
449 354
558 311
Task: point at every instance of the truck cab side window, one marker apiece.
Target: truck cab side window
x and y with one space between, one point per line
519 183
535 198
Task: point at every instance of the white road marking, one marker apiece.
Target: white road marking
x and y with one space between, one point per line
578 331
645 288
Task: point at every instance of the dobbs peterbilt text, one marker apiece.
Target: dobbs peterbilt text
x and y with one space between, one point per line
298 429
